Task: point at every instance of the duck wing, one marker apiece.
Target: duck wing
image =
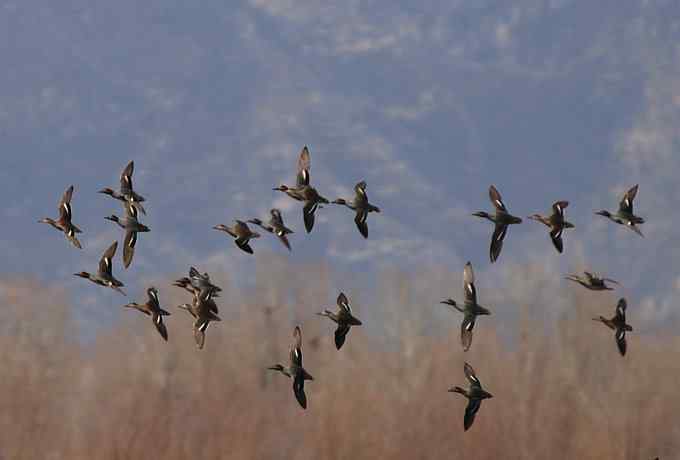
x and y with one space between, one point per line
107 258
360 220
621 311
126 179
621 340
276 218
340 334
152 294
129 247
308 215
626 204
157 319
242 243
469 289
71 236
556 237
343 303
200 326
471 376
65 205
303 166
499 232
470 412
299 389
496 199
466 330
558 208
296 349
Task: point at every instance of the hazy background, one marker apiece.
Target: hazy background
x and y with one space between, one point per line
546 99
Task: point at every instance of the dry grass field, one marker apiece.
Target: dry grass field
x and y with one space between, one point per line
561 391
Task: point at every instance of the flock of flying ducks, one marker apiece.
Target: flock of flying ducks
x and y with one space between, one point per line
203 308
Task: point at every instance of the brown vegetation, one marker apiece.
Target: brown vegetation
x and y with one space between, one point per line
561 391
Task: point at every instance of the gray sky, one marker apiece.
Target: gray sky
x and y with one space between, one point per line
548 100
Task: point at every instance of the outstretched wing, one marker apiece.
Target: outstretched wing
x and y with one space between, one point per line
126 179
626 204
276 218
308 215
558 207
160 325
497 241
296 349
299 390
360 220
496 199
466 331
470 412
621 310
340 334
200 326
152 293
344 303
303 166
107 259
470 374
129 248
65 205
469 284
621 340
556 237
243 244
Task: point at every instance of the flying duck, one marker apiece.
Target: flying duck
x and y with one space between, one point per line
501 220
592 281
242 234
203 310
625 216
197 282
295 369
618 324
470 308
126 193
153 308
132 226
361 205
475 395
63 223
303 191
344 319
275 226
104 276
556 223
